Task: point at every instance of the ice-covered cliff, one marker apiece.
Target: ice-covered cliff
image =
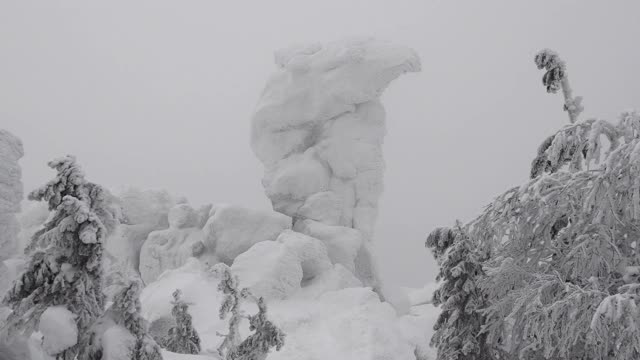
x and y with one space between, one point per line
318 129
10 192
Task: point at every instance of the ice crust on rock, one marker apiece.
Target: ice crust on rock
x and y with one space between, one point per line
318 128
232 230
11 192
277 269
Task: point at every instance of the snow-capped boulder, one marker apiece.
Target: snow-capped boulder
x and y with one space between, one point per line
59 330
170 248
277 269
269 269
342 243
11 151
318 129
310 252
232 230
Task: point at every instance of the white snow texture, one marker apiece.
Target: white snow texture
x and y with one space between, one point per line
59 330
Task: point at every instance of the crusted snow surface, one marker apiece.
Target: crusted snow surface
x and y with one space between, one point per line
10 192
58 328
330 317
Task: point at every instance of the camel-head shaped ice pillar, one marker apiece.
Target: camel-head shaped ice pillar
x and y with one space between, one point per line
319 127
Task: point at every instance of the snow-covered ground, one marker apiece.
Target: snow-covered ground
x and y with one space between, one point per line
328 319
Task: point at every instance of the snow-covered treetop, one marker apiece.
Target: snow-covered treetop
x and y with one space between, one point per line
565 243
555 78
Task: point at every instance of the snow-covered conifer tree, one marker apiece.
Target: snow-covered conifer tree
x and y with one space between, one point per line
125 312
230 305
562 279
458 328
182 338
265 334
65 265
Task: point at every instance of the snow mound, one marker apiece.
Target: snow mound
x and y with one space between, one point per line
199 289
59 330
117 343
318 129
330 318
10 192
232 230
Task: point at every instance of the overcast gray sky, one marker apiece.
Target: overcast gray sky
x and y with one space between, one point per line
159 94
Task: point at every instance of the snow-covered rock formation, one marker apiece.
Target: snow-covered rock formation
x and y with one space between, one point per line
11 151
232 230
318 129
170 248
278 269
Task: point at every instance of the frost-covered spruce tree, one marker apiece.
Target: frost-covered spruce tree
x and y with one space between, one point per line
265 334
562 281
182 338
125 312
230 306
66 254
458 328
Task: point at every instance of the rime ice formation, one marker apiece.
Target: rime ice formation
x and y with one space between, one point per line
10 192
318 129
232 230
144 212
170 248
276 269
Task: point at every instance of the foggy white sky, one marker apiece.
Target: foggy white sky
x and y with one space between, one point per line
158 94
